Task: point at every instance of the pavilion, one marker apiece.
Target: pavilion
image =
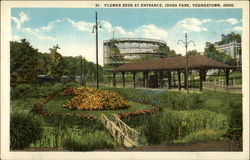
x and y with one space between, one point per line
177 64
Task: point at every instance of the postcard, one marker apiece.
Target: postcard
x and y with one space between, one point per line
124 80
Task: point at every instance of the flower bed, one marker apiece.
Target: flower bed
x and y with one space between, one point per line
92 99
140 112
40 110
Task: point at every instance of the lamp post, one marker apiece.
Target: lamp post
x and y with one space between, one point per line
81 70
186 43
95 30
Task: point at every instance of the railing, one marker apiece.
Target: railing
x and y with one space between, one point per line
220 86
131 133
122 135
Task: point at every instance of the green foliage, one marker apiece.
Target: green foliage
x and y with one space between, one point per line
211 52
57 65
35 90
25 62
193 53
171 126
201 136
88 142
162 127
225 39
24 130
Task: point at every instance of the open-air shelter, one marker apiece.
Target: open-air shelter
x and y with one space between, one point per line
177 64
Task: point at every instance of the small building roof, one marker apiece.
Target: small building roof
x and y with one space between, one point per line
173 63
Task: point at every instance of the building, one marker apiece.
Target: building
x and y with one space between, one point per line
232 49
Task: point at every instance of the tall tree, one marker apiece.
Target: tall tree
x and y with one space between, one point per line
225 39
57 62
25 62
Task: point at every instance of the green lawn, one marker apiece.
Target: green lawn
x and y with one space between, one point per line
55 105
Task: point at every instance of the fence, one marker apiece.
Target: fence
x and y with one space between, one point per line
221 86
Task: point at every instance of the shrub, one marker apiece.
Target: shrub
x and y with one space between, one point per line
88 142
22 90
201 136
24 130
170 125
162 127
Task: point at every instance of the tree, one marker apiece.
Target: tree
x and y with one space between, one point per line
211 52
164 49
225 39
25 62
57 62
193 53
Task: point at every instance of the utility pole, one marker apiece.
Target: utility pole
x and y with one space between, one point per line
95 30
81 70
186 43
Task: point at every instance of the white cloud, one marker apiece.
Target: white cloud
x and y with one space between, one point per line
237 28
120 30
232 21
37 34
15 38
22 18
206 21
151 31
50 26
81 25
106 25
193 24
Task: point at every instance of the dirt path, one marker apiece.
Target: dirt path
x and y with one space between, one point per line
195 147
202 146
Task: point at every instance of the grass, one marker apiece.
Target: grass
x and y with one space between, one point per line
55 105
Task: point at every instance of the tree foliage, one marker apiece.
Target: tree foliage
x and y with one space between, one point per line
211 52
57 62
193 53
166 51
225 39
26 63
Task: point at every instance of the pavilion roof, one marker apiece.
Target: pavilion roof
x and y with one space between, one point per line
173 63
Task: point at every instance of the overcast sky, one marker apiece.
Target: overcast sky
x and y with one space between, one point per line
71 28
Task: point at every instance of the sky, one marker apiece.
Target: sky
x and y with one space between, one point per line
71 28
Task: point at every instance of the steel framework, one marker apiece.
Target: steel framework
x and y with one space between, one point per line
125 50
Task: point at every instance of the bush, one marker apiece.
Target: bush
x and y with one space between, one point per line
88 142
22 90
201 136
162 127
170 125
24 130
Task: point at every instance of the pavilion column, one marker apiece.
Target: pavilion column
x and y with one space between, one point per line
204 75
114 79
185 80
147 82
201 73
156 79
179 80
227 77
161 79
143 79
134 74
123 79
218 76
174 79
169 80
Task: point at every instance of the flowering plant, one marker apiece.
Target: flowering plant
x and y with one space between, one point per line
92 99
